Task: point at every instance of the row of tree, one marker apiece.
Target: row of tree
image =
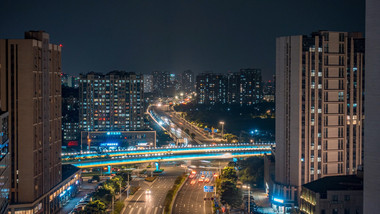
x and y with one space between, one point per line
251 171
236 117
106 192
230 195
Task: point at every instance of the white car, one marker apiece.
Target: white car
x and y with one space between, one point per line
148 192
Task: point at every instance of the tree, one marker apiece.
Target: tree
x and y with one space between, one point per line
95 207
252 171
229 173
230 138
230 194
119 206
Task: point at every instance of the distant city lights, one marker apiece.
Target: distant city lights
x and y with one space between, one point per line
113 133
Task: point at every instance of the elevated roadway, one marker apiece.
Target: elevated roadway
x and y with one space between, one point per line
132 156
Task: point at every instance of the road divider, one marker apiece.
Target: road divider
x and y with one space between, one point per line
172 193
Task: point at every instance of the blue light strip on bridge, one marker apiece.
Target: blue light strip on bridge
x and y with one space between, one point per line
166 150
174 157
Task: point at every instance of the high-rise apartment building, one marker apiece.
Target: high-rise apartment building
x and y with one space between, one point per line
319 109
187 83
372 103
148 83
111 102
31 93
162 83
70 114
244 87
269 90
211 88
70 81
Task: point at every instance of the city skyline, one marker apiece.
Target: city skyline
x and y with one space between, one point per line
176 36
244 106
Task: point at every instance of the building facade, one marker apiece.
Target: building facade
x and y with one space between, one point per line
211 88
69 80
269 90
187 82
245 87
319 109
148 83
372 101
100 140
162 85
4 162
70 114
111 102
31 93
334 194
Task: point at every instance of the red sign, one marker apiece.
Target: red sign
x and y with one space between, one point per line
72 143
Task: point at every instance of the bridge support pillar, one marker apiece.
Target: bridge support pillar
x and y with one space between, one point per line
157 164
108 170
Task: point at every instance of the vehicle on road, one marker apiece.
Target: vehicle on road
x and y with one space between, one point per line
192 182
148 192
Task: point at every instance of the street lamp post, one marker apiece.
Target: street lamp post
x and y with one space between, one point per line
222 123
249 196
249 199
81 142
120 191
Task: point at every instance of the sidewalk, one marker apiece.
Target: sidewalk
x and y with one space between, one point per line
262 201
84 189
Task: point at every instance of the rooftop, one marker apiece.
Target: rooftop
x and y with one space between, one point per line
334 183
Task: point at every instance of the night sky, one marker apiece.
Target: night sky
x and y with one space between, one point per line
175 35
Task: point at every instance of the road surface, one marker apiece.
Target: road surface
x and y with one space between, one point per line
190 198
153 203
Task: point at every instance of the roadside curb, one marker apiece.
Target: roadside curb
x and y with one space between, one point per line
175 196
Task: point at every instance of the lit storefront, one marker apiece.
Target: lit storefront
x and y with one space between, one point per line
54 199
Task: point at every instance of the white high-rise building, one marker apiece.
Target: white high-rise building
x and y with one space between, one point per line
319 109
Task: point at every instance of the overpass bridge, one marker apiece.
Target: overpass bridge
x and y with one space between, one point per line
164 154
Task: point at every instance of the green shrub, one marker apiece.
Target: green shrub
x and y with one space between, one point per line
119 207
